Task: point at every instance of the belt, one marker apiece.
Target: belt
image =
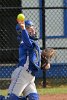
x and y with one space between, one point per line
30 72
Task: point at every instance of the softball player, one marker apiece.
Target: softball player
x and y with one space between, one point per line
23 77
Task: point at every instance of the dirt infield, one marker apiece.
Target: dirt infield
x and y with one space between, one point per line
53 97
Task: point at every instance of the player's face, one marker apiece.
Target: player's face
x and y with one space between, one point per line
31 30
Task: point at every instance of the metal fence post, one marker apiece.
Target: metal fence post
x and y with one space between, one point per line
43 38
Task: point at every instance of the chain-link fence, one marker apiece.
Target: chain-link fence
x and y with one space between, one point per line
49 17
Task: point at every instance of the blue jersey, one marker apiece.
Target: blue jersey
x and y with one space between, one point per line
28 47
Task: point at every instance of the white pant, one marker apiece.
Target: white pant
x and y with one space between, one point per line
22 82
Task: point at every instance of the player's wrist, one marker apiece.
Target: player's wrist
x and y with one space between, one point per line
22 25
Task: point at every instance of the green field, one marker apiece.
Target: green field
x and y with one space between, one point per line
57 90
43 91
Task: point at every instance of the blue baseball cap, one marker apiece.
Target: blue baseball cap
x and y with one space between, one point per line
28 23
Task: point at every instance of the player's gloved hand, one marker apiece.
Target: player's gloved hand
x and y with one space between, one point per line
46 56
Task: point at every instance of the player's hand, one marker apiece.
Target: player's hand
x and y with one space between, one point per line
46 56
22 24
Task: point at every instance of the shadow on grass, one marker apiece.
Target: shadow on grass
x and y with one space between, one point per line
52 82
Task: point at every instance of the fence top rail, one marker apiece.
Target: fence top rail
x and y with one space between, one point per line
33 8
20 7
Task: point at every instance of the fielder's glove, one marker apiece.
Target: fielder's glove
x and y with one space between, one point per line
46 56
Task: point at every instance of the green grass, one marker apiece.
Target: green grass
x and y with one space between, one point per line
43 91
57 90
3 92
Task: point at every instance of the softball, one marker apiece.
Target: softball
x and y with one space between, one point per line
21 17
